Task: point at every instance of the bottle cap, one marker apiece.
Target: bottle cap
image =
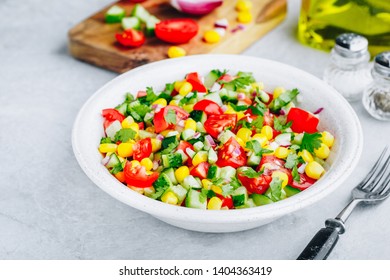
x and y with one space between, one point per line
382 63
351 45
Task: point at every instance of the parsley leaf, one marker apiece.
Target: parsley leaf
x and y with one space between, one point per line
217 181
295 174
150 95
283 99
258 109
160 185
258 122
240 82
172 146
186 99
170 117
249 173
105 140
227 190
281 125
255 146
291 161
244 123
219 73
125 134
235 183
311 141
276 188
138 110
129 97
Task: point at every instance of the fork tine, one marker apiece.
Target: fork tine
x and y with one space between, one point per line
380 174
363 184
385 189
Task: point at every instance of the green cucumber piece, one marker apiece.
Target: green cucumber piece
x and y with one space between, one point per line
171 175
212 157
114 161
214 97
260 199
253 160
225 136
198 116
240 196
187 134
114 14
213 171
196 200
179 191
227 172
168 140
172 160
140 12
290 191
151 25
191 183
198 146
211 78
122 108
131 23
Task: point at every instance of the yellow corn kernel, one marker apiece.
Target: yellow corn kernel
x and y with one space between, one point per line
189 108
244 17
165 132
230 110
281 152
243 5
125 150
327 138
126 122
135 163
173 102
170 198
240 115
107 148
282 176
212 37
160 101
244 133
206 184
190 123
261 138
267 131
181 173
242 143
278 91
175 51
257 85
215 203
199 158
147 163
216 189
322 152
156 144
314 170
134 126
306 155
178 85
150 129
185 89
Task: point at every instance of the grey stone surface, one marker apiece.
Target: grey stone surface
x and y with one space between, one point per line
49 209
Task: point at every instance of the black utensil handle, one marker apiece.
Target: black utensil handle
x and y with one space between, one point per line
321 245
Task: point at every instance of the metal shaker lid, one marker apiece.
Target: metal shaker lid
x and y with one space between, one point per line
382 63
351 45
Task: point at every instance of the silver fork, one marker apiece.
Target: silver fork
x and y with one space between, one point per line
374 188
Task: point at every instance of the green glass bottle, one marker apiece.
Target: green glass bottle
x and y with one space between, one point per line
321 21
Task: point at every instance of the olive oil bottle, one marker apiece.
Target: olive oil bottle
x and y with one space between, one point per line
321 21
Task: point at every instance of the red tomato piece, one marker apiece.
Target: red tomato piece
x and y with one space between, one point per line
176 31
112 115
273 163
141 125
131 38
302 121
255 185
141 93
227 201
231 154
136 176
215 124
200 170
142 149
304 182
208 106
226 78
160 124
195 81
268 118
183 145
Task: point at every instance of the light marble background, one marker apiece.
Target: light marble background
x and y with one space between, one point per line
49 209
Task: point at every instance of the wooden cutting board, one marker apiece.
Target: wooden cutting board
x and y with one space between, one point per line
94 41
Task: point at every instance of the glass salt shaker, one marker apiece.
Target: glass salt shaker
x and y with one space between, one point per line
376 97
349 69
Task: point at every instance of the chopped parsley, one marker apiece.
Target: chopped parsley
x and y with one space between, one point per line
283 99
242 81
292 162
311 141
255 146
170 117
258 109
138 110
281 125
170 148
117 168
238 108
250 173
105 140
125 134
276 189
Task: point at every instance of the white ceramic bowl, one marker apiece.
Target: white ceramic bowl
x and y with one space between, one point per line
337 117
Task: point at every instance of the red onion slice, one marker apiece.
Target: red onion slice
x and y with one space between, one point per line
196 7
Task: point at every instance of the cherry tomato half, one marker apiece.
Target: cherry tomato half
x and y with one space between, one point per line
136 176
131 38
231 154
302 121
160 124
255 185
183 145
176 31
112 115
142 149
304 182
195 81
208 106
200 170
215 124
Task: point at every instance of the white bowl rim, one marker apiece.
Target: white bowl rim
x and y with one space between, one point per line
163 210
